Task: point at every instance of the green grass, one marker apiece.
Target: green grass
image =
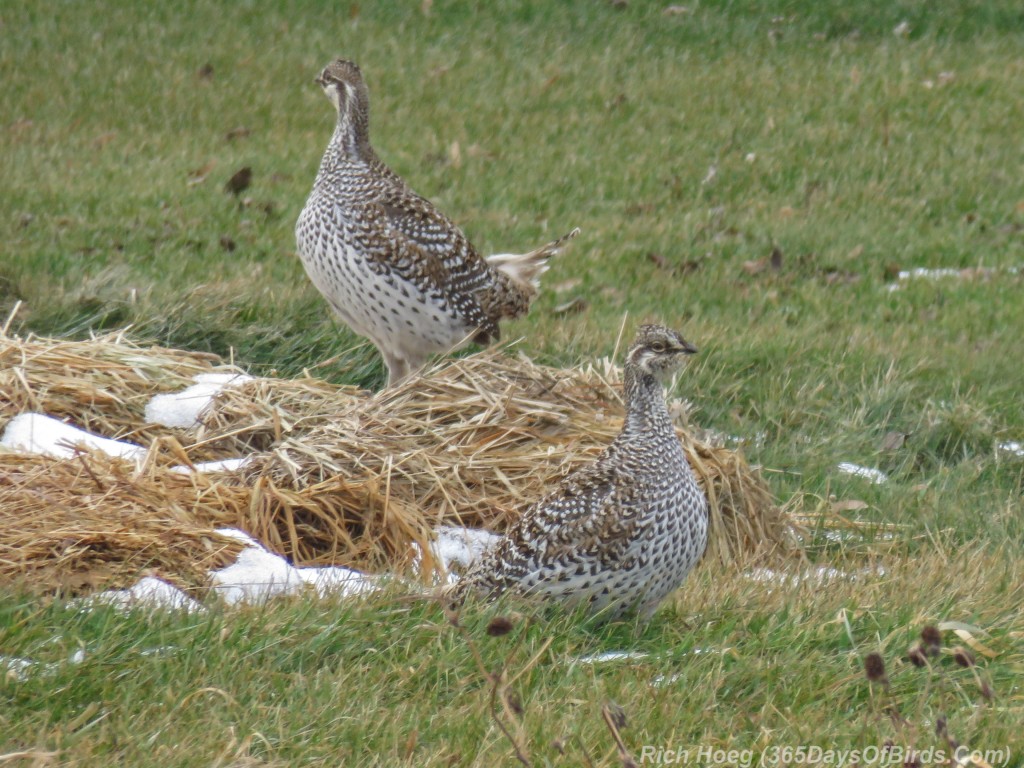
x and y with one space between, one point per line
851 150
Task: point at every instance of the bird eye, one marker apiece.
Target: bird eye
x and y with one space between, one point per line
658 346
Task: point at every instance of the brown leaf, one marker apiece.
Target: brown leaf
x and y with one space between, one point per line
571 307
500 625
239 182
755 267
893 441
198 176
237 133
658 260
455 154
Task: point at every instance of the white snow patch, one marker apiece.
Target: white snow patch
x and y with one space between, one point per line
456 549
255 576
1013 448
460 546
149 592
607 656
873 476
183 409
823 574
848 535
20 670
258 575
41 434
926 273
223 465
334 580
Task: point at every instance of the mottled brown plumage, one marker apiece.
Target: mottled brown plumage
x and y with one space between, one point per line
617 535
391 265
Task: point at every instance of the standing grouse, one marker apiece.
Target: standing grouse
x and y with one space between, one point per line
391 265
620 534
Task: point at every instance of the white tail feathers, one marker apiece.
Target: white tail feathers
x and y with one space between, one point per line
526 268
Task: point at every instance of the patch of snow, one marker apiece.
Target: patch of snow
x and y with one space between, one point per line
334 580
607 656
183 409
149 592
925 273
873 476
21 670
1013 448
258 575
455 549
848 535
255 576
823 574
223 465
461 547
41 434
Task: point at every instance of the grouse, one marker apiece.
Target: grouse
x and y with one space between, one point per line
391 266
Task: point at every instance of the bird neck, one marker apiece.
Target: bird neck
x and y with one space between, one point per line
645 403
351 139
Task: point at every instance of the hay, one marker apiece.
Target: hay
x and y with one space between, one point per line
101 385
338 476
72 526
473 442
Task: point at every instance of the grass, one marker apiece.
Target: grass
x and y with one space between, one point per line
850 151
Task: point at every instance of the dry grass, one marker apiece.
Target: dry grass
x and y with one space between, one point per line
101 385
336 475
92 521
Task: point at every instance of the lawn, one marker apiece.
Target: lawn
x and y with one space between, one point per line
756 175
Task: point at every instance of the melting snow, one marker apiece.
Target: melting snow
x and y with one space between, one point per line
258 575
37 433
874 476
1013 448
223 465
603 658
183 409
823 574
149 592
925 273
460 546
22 669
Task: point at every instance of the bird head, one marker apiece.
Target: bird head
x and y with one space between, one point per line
343 84
658 351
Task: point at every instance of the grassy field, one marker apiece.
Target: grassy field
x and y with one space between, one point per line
755 175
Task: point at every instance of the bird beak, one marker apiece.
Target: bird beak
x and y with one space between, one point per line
688 348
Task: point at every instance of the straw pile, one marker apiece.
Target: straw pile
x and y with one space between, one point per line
336 476
473 443
77 525
101 385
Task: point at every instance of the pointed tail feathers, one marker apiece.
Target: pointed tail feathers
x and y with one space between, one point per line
526 268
